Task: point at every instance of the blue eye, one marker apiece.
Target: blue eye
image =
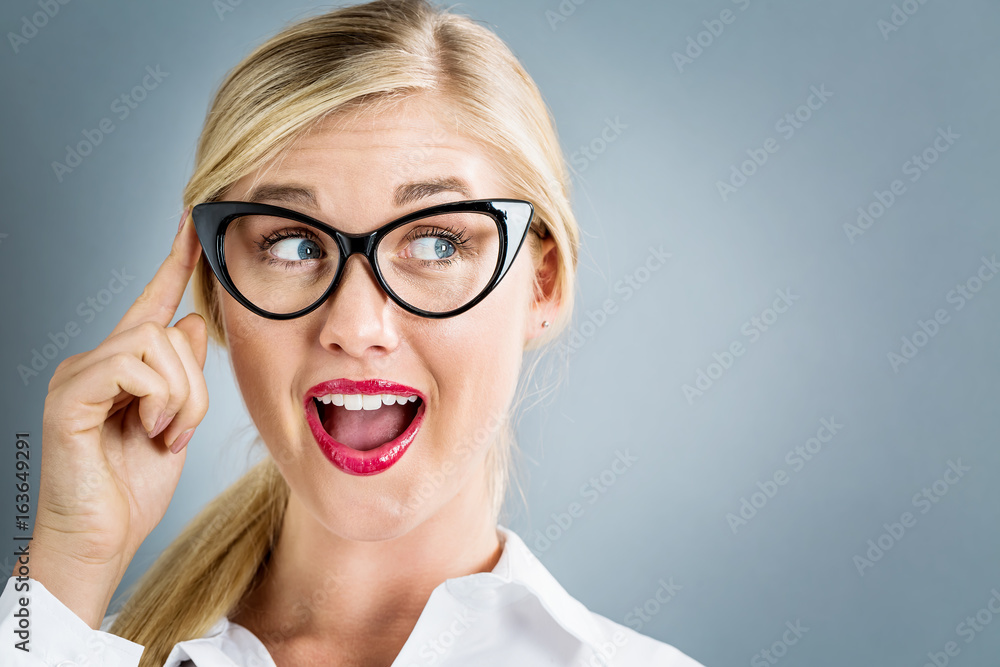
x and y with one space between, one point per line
292 249
438 247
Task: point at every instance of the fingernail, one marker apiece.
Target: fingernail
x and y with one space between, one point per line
181 440
184 216
161 424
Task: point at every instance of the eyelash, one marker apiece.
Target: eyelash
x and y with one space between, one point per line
447 233
457 238
267 242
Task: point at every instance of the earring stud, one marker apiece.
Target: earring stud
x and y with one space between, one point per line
545 324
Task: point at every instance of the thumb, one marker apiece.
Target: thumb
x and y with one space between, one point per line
194 326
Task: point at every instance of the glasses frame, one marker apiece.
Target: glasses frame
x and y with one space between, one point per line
513 218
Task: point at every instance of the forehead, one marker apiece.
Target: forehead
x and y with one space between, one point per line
357 162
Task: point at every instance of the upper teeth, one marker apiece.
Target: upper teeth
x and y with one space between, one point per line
363 401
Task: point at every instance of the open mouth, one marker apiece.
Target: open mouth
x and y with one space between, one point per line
366 432
362 422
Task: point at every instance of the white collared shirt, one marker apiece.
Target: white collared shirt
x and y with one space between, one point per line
517 614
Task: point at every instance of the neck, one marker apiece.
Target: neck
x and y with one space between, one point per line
323 592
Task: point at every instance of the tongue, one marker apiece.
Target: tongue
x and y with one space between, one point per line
366 429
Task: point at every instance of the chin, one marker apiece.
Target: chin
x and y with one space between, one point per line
374 518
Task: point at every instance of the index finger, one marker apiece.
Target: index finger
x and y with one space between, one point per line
160 298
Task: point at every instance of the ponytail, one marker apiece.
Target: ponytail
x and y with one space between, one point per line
208 569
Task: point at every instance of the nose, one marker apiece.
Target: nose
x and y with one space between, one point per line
358 314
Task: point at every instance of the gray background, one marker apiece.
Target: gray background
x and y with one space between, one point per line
655 185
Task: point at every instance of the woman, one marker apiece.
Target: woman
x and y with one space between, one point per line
381 384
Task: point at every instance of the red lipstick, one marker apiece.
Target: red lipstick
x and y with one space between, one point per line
354 461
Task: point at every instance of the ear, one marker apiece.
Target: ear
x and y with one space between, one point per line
546 299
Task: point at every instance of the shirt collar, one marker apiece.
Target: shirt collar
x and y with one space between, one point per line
517 573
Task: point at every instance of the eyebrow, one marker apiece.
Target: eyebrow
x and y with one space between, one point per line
404 194
411 192
290 194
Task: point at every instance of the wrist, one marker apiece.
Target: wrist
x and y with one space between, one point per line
84 585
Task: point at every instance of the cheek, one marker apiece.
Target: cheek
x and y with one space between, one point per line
263 364
476 356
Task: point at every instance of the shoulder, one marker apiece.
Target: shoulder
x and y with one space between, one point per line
622 646
606 642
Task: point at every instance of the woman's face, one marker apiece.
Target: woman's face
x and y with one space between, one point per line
466 366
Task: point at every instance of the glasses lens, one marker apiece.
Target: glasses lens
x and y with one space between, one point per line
441 262
279 265
438 263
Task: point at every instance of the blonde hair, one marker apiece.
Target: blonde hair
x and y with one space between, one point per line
350 58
